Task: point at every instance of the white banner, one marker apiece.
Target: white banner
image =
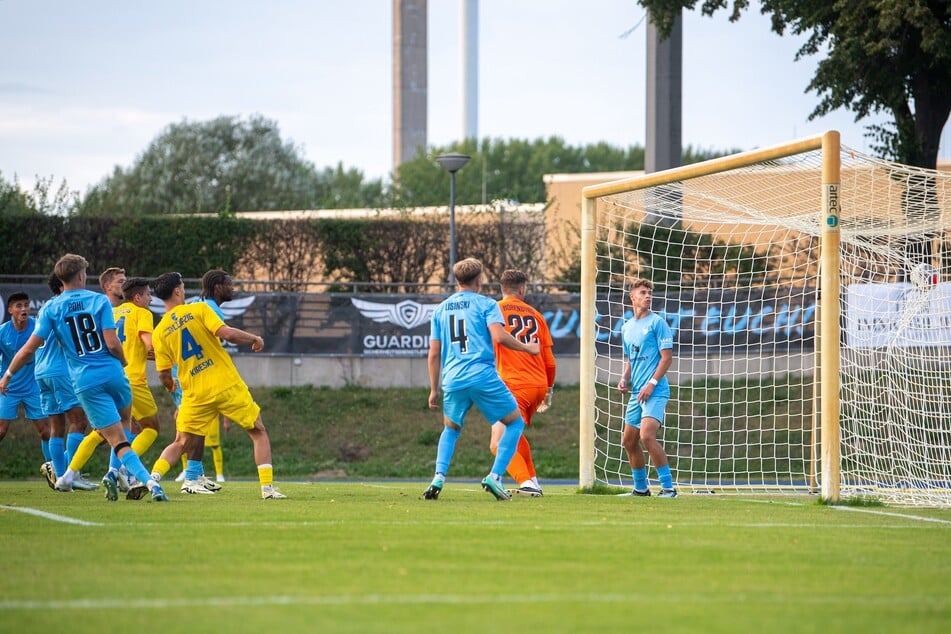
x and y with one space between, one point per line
892 314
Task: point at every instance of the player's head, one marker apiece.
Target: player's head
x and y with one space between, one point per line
69 267
55 284
112 275
218 285
134 286
18 297
164 285
467 271
641 282
513 282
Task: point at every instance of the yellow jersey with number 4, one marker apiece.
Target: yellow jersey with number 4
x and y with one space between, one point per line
186 337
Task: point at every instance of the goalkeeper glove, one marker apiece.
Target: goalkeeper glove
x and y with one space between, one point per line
546 403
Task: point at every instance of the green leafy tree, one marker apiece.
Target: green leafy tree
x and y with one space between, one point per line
882 55
223 165
45 198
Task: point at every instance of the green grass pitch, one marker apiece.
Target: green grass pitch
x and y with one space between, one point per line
375 557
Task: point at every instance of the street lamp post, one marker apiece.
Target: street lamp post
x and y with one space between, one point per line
452 163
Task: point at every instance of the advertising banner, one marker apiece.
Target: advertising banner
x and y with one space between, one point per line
382 325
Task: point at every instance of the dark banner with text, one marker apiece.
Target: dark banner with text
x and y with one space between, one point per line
398 325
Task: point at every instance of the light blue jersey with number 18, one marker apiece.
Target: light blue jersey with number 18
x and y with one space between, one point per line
79 317
460 324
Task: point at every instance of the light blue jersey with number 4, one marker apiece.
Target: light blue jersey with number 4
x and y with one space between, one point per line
461 325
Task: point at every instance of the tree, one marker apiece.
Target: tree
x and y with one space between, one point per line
44 199
512 169
882 55
223 165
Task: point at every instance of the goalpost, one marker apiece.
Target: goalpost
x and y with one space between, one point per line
812 331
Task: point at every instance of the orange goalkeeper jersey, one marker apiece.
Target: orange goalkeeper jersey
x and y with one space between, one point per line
519 369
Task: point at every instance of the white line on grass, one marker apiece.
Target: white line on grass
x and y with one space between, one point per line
133 603
889 514
49 516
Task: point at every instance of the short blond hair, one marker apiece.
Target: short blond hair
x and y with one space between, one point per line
466 271
637 282
69 266
108 275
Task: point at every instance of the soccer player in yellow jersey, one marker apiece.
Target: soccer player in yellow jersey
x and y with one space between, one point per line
134 328
529 378
188 336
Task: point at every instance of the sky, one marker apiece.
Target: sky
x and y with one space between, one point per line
86 86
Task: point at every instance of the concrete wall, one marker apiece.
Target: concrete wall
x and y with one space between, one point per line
267 370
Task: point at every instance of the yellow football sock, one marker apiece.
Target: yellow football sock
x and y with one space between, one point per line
218 459
161 467
144 440
85 450
184 462
265 474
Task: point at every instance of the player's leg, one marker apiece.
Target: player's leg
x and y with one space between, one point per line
57 447
650 424
239 406
213 442
496 402
631 441
455 406
145 411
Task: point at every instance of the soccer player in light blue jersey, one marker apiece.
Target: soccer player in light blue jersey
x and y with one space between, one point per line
84 324
648 351
23 390
60 404
463 332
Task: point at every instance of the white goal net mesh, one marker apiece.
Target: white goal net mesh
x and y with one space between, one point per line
734 257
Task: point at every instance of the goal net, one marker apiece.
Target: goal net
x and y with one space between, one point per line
804 285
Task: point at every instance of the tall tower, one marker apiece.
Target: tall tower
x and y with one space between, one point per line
409 79
664 98
469 39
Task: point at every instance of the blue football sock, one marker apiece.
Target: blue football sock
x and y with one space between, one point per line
640 478
73 440
57 455
508 444
447 447
192 469
134 466
45 448
666 480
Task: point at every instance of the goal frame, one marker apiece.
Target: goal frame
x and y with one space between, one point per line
827 316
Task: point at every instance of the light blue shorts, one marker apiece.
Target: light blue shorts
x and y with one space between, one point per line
103 402
492 398
57 395
655 407
10 406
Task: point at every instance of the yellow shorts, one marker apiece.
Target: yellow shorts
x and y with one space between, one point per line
235 402
143 403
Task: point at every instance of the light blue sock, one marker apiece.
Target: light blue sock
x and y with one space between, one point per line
58 455
447 447
666 480
193 469
134 466
640 478
45 448
73 440
508 444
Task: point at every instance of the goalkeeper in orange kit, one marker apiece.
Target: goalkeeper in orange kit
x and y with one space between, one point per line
530 378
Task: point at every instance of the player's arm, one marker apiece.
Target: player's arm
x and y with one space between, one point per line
114 345
622 384
146 338
434 362
167 380
20 359
502 337
240 337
